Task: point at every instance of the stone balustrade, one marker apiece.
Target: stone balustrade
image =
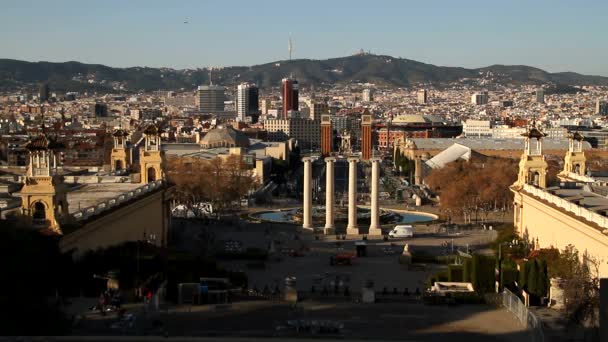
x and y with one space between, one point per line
568 206
113 202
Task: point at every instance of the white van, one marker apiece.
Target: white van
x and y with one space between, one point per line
402 231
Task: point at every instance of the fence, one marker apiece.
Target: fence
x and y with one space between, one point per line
525 316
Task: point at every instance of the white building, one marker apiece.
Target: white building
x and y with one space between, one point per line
477 129
368 95
479 99
422 96
306 131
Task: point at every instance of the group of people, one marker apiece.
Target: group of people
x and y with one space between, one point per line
109 300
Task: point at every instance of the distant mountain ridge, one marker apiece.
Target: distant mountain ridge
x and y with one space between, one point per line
367 68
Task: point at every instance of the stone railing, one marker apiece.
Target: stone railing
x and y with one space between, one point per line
577 177
113 202
573 208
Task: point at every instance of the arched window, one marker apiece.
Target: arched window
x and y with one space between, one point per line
536 179
39 212
577 169
118 165
151 174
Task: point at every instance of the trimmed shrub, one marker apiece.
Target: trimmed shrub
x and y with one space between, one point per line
523 276
455 273
508 276
483 273
467 269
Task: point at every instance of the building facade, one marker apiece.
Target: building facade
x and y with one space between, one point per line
211 98
290 91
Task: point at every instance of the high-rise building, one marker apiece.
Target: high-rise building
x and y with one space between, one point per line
100 110
43 92
601 107
480 98
317 109
290 96
307 132
326 135
211 98
422 96
247 100
540 95
368 95
366 137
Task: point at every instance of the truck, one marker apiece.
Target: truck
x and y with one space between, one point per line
402 231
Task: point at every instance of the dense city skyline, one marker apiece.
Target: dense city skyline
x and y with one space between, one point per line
551 36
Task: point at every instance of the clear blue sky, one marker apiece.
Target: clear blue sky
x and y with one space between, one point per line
553 35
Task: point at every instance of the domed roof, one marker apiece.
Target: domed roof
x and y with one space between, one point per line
120 133
151 130
225 137
534 133
576 136
41 142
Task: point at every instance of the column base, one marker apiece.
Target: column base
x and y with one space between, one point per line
374 232
308 227
329 230
352 231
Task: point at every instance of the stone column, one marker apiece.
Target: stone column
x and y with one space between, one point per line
351 228
307 210
329 196
374 227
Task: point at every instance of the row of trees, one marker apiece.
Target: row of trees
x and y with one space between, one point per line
475 187
219 181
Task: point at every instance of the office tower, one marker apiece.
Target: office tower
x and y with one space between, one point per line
247 101
368 95
326 135
211 98
421 96
480 98
265 105
290 96
43 92
317 109
540 95
601 107
100 110
366 137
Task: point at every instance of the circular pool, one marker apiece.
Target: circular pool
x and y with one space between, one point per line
293 215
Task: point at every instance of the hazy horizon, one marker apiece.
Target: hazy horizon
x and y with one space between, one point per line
549 35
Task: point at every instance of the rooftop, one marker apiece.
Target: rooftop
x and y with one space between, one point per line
88 195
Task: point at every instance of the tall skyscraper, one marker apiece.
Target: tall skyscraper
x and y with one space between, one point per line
422 96
601 107
43 92
290 96
366 137
480 98
326 135
540 95
247 100
318 108
368 95
211 98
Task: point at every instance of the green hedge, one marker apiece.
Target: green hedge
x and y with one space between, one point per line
509 276
467 270
455 273
482 275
